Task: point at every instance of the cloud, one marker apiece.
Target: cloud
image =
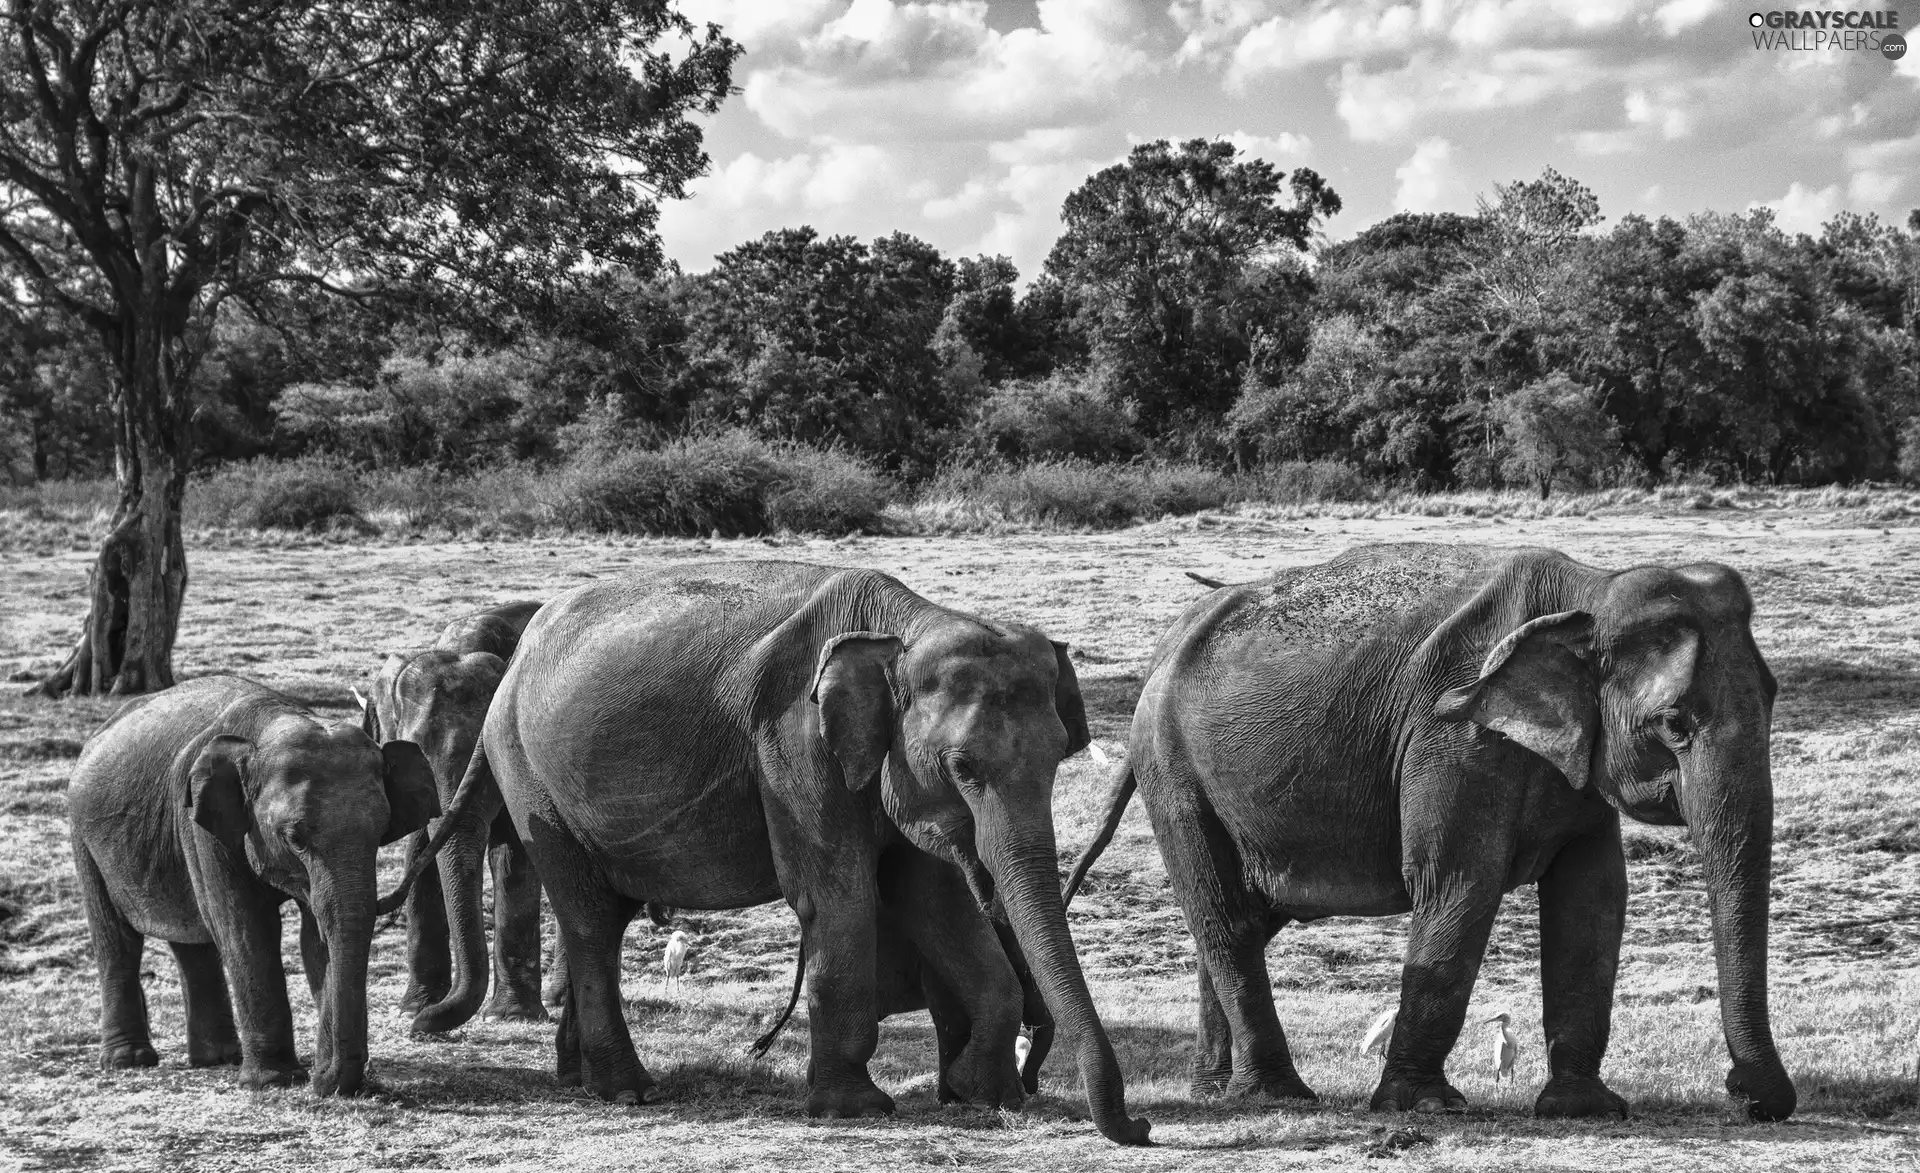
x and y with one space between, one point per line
1383 106
1283 149
1803 209
1430 182
1677 16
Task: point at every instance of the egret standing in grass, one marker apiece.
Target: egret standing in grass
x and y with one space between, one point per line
1506 1048
676 958
1380 1034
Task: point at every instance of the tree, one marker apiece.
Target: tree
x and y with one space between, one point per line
1158 251
1554 430
823 340
159 159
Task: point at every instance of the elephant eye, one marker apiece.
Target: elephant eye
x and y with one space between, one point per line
296 835
959 767
1673 727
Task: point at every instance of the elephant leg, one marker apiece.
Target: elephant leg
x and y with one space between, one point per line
1212 1042
959 948
125 1038
1033 1010
516 928
429 964
247 932
1231 925
212 1040
1583 912
313 959
837 925
592 1046
951 1030
1446 942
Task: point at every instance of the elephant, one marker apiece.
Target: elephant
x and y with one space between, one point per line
907 984
1423 728
196 813
722 735
437 698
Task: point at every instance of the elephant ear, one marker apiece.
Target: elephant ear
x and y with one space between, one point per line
217 790
412 797
852 687
1537 688
1066 699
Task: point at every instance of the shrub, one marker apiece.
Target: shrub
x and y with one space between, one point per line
1910 452
728 482
261 494
1084 495
1060 417
827 492
1306 482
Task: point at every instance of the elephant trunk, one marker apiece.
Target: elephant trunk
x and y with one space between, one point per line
1727 800
462 856
343 910
1025 868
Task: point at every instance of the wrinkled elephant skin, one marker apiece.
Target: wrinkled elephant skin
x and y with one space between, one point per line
196 813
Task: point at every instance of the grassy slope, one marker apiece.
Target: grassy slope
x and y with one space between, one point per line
1839 620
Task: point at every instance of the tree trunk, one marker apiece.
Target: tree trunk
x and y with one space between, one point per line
138 581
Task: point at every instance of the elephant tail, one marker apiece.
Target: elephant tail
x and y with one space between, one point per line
1204 581
1116 806
471 784
764 1043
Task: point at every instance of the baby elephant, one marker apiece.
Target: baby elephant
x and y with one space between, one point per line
197 812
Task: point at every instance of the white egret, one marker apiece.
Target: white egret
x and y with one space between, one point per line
1506 1048
1021 1045
1380 1034
676 958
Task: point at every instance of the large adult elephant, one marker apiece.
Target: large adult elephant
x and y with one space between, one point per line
197 812
1420 727
717 736
437 697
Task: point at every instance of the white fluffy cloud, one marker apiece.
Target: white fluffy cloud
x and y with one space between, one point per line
967 122
1430 181
1803 209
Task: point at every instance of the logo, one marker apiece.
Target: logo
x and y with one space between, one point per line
1812 30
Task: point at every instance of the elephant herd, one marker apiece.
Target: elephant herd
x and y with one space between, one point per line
1406 728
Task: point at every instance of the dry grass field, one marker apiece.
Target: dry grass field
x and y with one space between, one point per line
1838 591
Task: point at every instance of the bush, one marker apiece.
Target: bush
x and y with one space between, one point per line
1306 482
731 483
1060 417
1910 452
1083 495
262 494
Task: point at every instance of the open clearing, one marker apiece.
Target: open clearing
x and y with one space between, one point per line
1838 618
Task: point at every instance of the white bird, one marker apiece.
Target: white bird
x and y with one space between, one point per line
1098 755
676 958
1506 1048
1022 1044
359 698
1380 1034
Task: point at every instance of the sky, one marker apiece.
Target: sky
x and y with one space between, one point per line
967 122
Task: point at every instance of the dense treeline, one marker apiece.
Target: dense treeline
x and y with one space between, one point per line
1183 312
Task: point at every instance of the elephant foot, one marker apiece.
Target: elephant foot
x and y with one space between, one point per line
1406 1095
630 1098
223 1053
1210 1082
1768 1099
116 1056
1579 1098
342 1079
518 1006
259 1076
986 1082
1284 1086
418 998
849 1103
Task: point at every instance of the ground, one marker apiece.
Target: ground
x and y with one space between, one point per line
1838 597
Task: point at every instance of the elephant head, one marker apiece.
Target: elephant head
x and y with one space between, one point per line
437 699
308 805
1656 695
961 730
